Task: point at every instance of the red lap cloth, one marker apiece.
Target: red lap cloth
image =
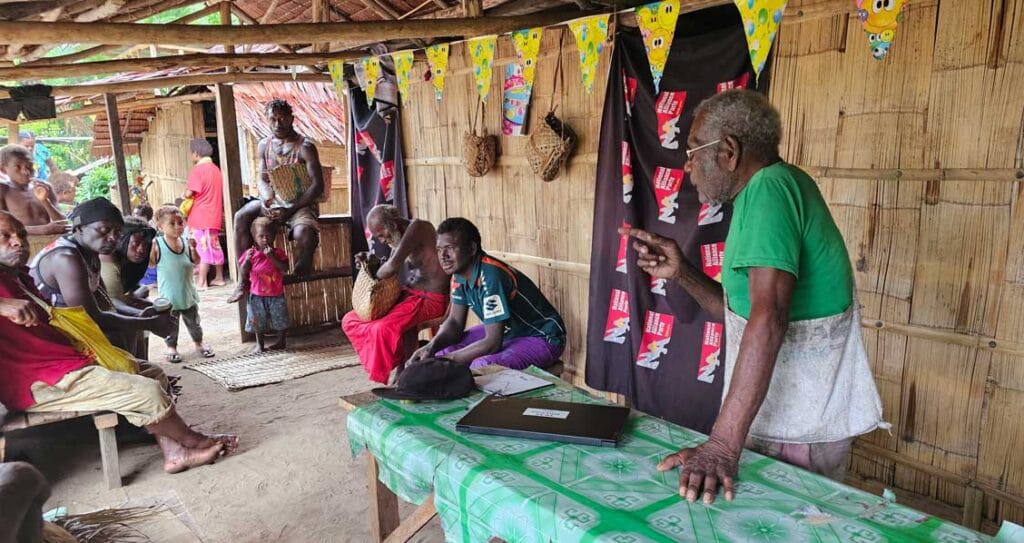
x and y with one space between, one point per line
378 343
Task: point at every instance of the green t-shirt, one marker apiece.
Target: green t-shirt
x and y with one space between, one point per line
781 221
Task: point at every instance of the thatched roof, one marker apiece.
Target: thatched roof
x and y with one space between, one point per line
319 115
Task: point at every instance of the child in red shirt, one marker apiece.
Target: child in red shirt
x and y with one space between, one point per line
265 265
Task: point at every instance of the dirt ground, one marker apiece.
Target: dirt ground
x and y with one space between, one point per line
293 478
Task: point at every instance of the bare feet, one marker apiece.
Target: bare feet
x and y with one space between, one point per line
229 441
259 349
182 458
278 345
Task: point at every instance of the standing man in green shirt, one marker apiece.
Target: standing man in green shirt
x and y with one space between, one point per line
797 382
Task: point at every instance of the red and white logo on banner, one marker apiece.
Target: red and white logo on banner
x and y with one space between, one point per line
668 108
617 325
387 178
738 83
657 335
359 173
620 260
710 352
364 142
710 214
629 90
627 173
711 256
666 189
658 286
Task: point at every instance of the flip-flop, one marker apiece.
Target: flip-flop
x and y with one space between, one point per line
172 358
207 352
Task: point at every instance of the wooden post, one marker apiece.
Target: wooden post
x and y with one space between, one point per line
105 424
473 8
321 14
117 147
12 132
231 169
974 500
383 503
225 19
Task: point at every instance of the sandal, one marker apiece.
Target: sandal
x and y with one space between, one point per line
173 358
207 352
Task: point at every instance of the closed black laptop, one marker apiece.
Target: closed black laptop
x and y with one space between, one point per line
586 424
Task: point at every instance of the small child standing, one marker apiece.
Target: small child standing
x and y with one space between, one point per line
265 266
175 259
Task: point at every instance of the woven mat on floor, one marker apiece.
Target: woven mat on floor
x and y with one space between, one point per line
253 370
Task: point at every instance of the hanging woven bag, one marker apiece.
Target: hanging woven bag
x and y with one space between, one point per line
553 141
479 151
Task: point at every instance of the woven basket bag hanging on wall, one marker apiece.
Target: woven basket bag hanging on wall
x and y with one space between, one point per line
372 298
479 151
553 141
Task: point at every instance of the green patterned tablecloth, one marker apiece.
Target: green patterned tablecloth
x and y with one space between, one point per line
535 491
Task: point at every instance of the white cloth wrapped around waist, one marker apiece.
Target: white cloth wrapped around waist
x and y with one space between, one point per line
821 389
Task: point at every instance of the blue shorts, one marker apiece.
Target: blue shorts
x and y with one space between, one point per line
267 314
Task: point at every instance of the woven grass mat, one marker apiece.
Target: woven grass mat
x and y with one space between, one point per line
253 370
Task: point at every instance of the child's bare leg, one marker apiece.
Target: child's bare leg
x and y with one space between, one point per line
260 342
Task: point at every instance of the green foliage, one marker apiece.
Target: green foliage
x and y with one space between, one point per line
68 155
96 183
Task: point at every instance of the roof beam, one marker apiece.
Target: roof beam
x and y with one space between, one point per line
366 31
136 104
86 53
93 89
147 64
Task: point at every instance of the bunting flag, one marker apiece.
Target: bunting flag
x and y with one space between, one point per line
371 71
481 50
337 70
658 26
437 58
527 45
590 33
879 18
761 20
403 70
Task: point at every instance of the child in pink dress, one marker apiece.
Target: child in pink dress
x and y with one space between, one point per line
265 265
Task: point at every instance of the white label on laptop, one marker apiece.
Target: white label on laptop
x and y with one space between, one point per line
546 413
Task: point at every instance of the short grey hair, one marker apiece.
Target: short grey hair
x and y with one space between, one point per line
747 116
385 215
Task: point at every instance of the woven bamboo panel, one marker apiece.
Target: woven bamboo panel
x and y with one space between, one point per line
939 262
314 303
165 154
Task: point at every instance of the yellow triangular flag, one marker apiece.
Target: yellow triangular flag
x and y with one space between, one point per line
337 69
590 33
371 70
658 27
761 19
437 57
481 50
403 69
527 45
880 20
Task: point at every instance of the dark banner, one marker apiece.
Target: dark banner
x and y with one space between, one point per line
646 339
375 162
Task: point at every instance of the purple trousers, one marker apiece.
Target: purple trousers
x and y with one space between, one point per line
516 353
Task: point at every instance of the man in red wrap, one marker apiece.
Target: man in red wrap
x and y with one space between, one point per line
424 297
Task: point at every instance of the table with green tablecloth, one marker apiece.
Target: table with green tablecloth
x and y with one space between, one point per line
523 490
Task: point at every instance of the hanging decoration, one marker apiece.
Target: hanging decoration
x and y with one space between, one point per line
371 72
527 45
437 58
590 33
879 18
658 25
481 50
337 70
403 69
761 19
515 101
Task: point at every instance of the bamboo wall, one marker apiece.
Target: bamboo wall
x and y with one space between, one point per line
923 158
543 229
165 156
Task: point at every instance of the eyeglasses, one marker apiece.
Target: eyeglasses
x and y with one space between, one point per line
690 152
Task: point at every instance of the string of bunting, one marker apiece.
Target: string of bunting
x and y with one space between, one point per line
657 21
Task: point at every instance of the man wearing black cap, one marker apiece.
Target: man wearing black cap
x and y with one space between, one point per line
67 273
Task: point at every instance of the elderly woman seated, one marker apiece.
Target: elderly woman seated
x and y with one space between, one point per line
41 370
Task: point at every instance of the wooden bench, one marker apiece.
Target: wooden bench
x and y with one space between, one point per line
105 423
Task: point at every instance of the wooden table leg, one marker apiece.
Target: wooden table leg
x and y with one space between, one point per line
105 424
414 522
383 504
